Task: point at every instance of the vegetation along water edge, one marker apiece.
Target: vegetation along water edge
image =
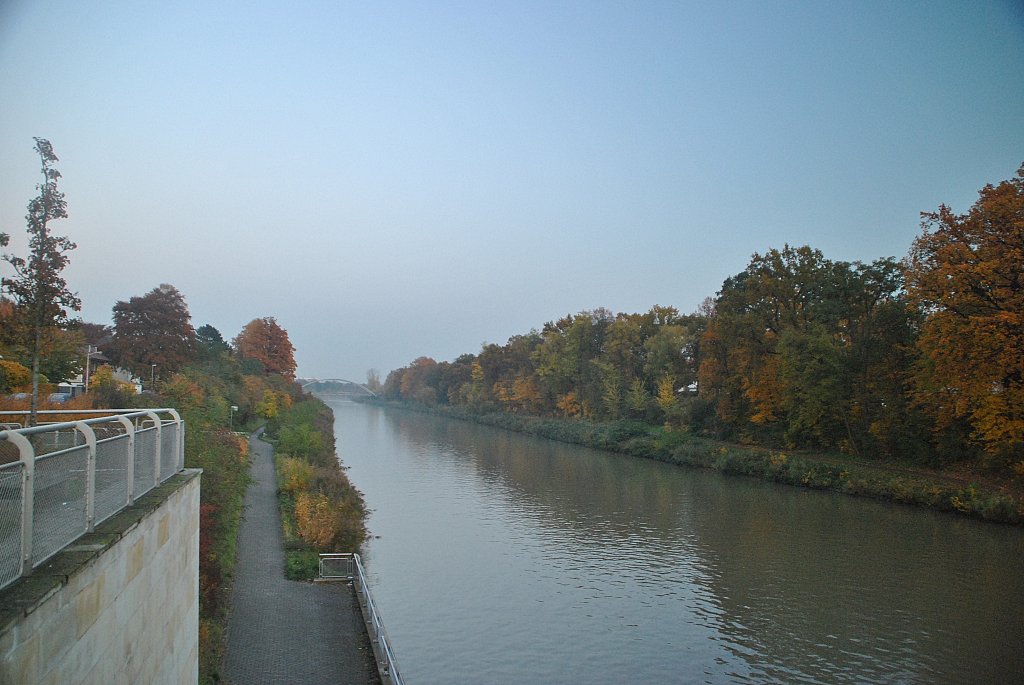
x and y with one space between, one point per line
321 511
963 493
896 379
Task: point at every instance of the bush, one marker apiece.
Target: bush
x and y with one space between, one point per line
320 509
294 475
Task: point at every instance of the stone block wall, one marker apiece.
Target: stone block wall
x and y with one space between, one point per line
121 605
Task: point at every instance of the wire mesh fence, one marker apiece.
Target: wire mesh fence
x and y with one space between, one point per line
112 460
82 472
145 467
59 501
168 450
10 521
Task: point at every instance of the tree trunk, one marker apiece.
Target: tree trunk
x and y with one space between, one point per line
34 406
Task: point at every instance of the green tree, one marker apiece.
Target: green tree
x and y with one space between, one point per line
39 289
811 352
564 360
813 385
210 343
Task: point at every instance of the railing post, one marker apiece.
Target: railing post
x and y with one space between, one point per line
28 458
180 427
90 474
129 430
159 446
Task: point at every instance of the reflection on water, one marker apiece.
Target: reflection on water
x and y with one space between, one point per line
503 558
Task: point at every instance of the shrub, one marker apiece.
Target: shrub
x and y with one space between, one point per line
294 474
317 520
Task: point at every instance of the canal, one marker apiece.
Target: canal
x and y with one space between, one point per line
502 558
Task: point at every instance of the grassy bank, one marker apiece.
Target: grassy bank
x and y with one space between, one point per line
971 494
321 511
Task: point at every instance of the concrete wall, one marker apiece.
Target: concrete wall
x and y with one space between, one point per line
121 605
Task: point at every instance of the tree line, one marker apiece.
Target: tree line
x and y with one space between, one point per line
917 359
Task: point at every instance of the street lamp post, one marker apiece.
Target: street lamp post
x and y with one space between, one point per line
232 417
89 352
152 376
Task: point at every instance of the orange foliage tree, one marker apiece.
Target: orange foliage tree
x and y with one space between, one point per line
265 341
966 273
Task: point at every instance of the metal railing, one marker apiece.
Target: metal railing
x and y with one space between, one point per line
59 480
350 567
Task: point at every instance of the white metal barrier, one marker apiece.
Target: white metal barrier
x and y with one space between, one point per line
59 480
343 566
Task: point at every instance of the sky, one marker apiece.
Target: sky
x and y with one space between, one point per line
392 180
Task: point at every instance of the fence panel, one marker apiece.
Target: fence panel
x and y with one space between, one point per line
59 512
111 475
145 447
337 566
169 450
10 522
56 441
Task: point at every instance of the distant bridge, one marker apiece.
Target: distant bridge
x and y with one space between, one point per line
336 387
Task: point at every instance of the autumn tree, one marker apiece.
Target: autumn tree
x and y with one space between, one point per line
13 376
95 334
810 352
37 286
419 382
739 372
965 274
266 342
153 334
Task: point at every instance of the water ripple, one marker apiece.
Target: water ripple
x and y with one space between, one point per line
504 559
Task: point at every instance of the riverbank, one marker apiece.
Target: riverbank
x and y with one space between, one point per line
968 493
281 630
321 511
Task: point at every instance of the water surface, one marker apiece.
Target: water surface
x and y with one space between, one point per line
502 558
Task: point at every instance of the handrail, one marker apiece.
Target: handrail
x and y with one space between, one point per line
374 624
66 492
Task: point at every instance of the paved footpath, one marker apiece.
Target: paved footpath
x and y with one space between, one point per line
284 631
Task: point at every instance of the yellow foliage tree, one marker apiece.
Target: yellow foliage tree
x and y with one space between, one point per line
569 405
317 521
14 376
525 393
185 392
764 389
666 392
965 274
268 407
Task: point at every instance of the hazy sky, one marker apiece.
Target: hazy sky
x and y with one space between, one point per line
392 180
